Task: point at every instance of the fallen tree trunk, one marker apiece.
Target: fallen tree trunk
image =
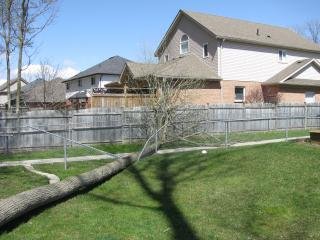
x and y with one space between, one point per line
15 206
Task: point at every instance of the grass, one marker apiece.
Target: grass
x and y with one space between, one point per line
219 139
259 192
17 179
72 152
74 168
215 140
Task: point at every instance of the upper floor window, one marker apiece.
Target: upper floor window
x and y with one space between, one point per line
282 56
93 81
68 85
79 83
184 44
166 58
205 50
239 93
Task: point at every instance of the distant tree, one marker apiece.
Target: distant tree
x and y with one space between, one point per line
6 34
47 73
310 30
255 96
32 17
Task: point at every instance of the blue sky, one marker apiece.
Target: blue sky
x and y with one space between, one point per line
87 32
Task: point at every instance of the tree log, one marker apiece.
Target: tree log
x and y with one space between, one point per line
22 203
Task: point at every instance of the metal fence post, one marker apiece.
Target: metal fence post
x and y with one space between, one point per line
305 116
156 141
65 153
6 137
65 143
287 125
226 126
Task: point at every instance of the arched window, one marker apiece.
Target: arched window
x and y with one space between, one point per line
184 44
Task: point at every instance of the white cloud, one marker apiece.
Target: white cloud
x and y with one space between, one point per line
32 71
67 72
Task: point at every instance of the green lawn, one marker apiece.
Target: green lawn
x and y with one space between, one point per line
17 179
219 139
259 192
72 152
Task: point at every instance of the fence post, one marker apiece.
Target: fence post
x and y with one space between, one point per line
226 128
65 143
156 141
6 137
65 153
129 132
287 125
305 116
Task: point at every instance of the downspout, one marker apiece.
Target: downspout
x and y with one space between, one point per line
100 81
220 42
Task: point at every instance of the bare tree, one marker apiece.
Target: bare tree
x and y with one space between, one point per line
310 30
313 28
33 16
255 96
6 11
166 101
47 73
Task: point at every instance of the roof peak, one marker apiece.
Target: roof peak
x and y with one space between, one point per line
234 19
244 31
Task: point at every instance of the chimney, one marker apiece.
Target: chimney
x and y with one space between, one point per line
258 32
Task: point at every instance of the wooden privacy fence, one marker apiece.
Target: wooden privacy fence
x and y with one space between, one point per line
111 125
116 100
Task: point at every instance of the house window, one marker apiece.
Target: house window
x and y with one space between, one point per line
79 83
239 93
93 81
205 50
310 97
68 86
282 56
184 44
166 58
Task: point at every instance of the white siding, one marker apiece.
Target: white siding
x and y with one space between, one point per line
248 62
3 99
13 87
101 80
310 73
197 37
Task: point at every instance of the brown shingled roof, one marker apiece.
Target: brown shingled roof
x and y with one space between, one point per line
243 31
289 71
185 67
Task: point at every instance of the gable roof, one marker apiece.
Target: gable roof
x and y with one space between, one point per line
111 66
3 87
243 31
286 76
55 91
185 67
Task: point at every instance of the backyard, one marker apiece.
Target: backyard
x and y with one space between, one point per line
258 192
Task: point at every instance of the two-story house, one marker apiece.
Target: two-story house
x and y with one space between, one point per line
13 90
92 80
244 56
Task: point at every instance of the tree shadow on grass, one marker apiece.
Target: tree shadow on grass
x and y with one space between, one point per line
168 176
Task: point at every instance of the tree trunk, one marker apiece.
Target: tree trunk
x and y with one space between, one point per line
19 78
8 75
22 203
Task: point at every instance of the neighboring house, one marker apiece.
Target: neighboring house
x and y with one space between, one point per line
245 57
45 94
80 87
13 89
